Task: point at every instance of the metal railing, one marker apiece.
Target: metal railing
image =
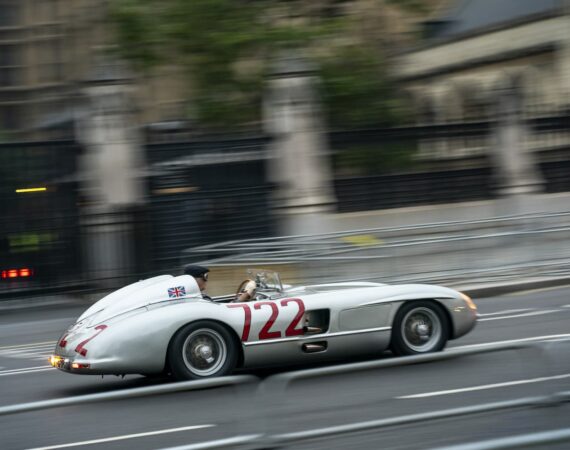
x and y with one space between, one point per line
517 442
492 249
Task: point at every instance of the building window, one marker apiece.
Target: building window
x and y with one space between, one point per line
10 118
10 69
9 13
7 56
10 72
46 11
49 61
10 76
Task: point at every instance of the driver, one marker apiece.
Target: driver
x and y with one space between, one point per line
200 274
246 291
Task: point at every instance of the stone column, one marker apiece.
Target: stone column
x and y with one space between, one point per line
299 158
110 174
563 62
515 167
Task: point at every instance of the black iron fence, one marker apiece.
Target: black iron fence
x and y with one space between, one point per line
401 190
215 189
205 191
439 163
39 221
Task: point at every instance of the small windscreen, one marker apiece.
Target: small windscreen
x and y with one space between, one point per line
266 279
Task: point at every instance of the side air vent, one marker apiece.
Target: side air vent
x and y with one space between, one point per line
316 321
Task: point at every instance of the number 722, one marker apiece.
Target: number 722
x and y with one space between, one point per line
266 332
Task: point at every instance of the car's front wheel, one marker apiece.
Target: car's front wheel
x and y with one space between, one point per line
202 350
419 327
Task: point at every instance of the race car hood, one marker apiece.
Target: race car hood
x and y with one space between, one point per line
142 293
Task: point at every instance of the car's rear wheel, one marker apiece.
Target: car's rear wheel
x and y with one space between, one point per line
202 350
419 327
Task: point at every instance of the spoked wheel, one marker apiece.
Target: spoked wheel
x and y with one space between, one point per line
419 327
201 350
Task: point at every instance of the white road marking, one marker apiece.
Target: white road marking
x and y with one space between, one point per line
126 436
485 386
37 351
507 311
25 368
512 341
5 373
25 350
566 306
35 344
528 314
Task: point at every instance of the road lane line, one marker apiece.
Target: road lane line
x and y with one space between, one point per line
31 350
126 436
25 370
485 386
512 341
24 373
507 311
534 313
37 351
35 344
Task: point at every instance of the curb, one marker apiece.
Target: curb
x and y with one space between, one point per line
492 290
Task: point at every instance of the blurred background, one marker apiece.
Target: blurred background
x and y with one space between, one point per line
423 140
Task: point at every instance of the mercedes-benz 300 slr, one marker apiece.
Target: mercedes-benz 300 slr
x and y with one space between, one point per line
165 325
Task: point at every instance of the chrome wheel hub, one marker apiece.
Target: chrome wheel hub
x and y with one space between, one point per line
204 352
421 329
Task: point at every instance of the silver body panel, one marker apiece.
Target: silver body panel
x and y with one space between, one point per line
129 331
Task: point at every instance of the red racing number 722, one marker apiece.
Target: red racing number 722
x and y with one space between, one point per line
266 332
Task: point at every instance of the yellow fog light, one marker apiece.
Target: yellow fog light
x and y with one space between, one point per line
470 303
56 361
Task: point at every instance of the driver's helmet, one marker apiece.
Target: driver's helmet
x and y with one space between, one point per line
196 271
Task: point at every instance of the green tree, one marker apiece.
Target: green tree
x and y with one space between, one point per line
225 47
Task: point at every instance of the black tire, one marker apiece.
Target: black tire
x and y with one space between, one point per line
419 327
202 349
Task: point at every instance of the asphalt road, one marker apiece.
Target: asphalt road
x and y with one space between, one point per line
28 336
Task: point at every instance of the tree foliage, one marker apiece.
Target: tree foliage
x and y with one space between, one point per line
225 46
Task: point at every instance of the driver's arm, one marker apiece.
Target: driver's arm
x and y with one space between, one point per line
247 292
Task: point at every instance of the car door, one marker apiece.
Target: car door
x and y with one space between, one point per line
270 320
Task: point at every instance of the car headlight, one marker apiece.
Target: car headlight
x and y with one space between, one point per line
470 304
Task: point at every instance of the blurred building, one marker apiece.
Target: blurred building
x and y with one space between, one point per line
48 49
42 57
480 47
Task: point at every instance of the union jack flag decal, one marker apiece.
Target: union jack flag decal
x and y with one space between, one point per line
176 292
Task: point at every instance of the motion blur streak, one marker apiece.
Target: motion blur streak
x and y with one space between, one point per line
392 141
127 436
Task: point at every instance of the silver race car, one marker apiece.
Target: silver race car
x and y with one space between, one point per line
164 325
